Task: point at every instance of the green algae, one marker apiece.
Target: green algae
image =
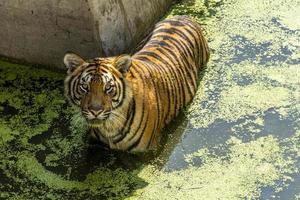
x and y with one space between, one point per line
7 135
22 103
99 182
253 127
240 101
200 10
253 67
238 175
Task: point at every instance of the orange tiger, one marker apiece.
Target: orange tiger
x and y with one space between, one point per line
127 100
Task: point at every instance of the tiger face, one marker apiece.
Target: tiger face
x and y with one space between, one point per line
97 87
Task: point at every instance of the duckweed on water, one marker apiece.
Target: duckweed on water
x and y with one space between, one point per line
240 101
259 73
99 182
239 175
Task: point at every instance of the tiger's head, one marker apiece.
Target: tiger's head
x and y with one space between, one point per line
98 87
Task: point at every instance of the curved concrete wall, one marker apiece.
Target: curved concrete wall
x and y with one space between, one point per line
41 31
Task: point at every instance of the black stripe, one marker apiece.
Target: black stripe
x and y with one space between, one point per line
201 45
153 135
181 73
184 58
175 42
164 83
75 93
137 142
123 93
174 71
173 22
177 32
159 58
143 112
185 71
160 106
187 63
153 55
181 49
96 133
157 95
125 129
196 38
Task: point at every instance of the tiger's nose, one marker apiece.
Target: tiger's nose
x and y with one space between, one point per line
96 113
96 110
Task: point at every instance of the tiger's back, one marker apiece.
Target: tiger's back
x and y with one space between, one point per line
164 77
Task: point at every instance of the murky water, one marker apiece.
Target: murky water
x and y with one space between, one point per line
239 139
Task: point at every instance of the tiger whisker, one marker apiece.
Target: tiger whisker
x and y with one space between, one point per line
118 115
117 119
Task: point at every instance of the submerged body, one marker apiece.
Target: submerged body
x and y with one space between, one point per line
128 100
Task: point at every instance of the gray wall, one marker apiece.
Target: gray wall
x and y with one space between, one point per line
41 31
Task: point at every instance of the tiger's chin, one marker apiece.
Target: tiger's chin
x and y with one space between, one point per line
110 126
94 123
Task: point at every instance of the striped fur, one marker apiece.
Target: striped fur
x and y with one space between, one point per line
137 96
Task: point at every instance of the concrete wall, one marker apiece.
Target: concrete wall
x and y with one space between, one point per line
41 31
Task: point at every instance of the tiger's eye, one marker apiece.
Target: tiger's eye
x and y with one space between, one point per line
108 86
84 87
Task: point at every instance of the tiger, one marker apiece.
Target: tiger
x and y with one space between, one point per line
128 99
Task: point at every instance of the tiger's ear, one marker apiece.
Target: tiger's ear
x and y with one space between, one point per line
123 63
72 61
